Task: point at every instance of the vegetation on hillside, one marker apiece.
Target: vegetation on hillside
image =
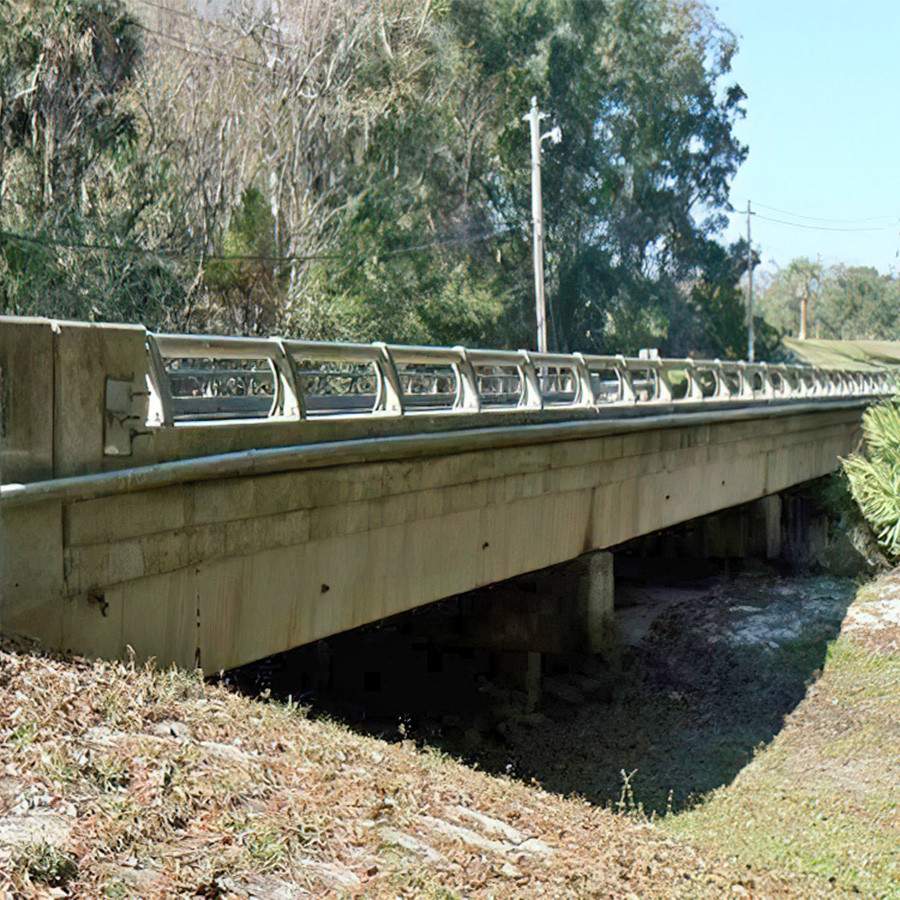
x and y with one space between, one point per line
272 171
822 798
124 782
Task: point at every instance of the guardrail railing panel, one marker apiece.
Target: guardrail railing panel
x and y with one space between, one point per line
196 378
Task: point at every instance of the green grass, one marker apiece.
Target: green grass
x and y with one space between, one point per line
822 799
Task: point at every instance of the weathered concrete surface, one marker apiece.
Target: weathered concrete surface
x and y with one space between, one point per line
218 573
221 573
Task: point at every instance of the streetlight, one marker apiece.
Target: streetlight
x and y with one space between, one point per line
534 117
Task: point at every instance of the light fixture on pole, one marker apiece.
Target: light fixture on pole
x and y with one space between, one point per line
534 117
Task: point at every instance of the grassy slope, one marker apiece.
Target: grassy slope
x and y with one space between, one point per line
126 782
822 799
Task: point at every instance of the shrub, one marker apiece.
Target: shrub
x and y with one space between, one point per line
874 475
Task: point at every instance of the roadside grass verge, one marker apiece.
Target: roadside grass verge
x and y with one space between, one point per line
822 799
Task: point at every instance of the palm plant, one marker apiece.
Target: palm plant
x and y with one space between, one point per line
875 475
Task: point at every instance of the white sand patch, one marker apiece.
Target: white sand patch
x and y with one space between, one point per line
875 614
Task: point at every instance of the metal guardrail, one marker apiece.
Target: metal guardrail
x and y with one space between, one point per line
265 378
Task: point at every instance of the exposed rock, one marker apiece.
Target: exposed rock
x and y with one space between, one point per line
35 828
144 881
334 875
489 824
11 789
514 843
262 887
171 728
535 847
227 752
414 845
466 835
510 871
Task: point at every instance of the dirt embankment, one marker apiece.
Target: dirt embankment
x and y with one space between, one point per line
126 782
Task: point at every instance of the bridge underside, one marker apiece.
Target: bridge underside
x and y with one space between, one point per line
222 572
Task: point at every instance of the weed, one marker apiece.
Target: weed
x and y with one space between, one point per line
46 864
23 735
266 846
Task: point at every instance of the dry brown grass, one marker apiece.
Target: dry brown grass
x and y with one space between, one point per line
124 781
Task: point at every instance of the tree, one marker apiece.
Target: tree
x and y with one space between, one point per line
844 302
361 170
70 166
63 67
780 302
647 143
859 303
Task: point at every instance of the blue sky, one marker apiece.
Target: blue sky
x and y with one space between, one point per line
823 126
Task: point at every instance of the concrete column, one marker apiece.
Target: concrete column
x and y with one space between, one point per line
805 532
521 670
562 609
594 602
771 507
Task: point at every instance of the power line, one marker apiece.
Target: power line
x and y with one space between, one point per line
826 220
229 29
239 257
184 45
192 17
819 227
161 251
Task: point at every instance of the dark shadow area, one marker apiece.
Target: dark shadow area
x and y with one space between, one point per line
709 658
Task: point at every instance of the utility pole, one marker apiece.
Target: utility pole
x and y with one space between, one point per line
814 325
804 310
750 341
534 117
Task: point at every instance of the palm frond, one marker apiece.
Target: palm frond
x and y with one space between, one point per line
874 478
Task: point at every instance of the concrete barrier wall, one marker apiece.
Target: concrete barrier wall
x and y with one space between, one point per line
219 572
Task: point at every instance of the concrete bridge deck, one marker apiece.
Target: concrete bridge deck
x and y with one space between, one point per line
213 501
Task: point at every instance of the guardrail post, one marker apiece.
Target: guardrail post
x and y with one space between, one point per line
745 391
694 389
768 384
160 389
781 372
391 399
467 396
585 393
663 385
719 386
626 381
532 397
291 382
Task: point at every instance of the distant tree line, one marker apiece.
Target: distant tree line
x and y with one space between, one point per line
842 302
360 169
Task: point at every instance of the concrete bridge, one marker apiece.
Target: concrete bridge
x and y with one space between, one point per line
212 501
